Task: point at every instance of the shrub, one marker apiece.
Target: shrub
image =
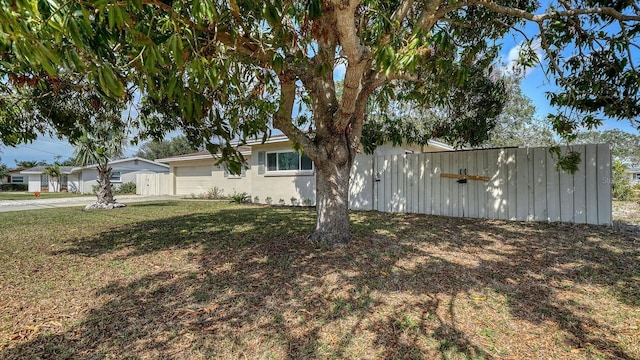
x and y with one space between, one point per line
621 188
294 201
306 202
268 200
281 202
13 187
256 199
216 193
240 198
126 188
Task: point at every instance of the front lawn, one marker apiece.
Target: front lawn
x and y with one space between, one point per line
9 195
204 280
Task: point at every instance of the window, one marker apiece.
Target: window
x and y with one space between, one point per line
288 161
229 175
636 176
115 176
17 179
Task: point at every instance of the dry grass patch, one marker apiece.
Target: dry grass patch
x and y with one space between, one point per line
200 280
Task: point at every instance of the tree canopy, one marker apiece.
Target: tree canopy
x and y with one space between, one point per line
153 150
625 147
228 70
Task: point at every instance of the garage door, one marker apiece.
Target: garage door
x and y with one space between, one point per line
193 179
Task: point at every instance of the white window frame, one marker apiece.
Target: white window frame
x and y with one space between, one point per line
112 177
277 172
242 174
13 177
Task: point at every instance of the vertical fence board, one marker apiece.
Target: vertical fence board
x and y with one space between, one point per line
454 167
553 189
579 183
604 183
566 196
522 185
540 184
472 187
482 193
426 183
591 186
512 185
436 191
494 184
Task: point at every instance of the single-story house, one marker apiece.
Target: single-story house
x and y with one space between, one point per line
634 175
275 173
498 183
82 179
14 177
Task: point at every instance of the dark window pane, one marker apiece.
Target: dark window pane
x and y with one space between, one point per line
288 161
271 162
307 164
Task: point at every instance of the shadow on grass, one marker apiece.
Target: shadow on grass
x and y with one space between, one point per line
258 289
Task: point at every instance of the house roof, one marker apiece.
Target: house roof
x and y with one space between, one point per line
244 150
16 170
40 169
121 161
71 169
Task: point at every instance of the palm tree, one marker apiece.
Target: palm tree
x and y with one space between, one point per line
27 164
97 148
54 174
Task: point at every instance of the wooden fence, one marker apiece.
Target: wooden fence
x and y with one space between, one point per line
510 183
153 184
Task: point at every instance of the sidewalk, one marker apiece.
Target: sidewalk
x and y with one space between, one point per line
34 204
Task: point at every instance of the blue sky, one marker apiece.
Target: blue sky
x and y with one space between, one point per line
534 85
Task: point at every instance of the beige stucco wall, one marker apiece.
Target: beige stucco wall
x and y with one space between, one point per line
199 176
284 185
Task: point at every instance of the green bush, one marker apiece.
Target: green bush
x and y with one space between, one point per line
215 193
13 187
127 188
621 188
240 198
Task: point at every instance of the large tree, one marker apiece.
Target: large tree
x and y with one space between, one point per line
625 147
518 124
231 70
158 149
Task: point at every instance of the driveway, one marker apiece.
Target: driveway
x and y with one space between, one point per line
34 204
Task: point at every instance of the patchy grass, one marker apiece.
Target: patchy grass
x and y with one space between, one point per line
31 196
200 280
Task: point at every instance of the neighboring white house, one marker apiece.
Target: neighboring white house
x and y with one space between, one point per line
81 179
634 175
275 171
38 180
14 177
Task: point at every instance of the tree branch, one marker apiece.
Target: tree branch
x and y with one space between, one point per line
283 117
546 16
358 61
401 11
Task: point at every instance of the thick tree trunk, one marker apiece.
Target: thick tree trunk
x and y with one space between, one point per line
332 204
105 193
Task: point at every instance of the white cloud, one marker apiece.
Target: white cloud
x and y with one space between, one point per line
512 64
